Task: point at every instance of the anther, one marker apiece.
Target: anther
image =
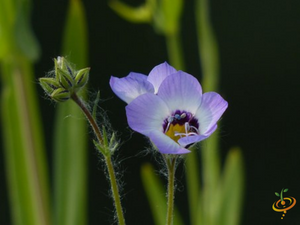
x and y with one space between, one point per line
183 115
177 116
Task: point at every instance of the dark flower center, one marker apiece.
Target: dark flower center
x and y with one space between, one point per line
180 124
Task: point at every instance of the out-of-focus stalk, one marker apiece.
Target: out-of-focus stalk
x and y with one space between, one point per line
26 167
215 199
208 50
70 134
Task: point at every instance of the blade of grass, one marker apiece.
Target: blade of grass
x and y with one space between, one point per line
70 168
26 168
24 148
208 51
231 189
193 184
156 196
208 47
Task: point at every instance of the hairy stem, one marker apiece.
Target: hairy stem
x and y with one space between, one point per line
115 190
171 165
108 161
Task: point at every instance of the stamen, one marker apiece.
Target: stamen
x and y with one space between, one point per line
183 115
188 131
177 116
170 120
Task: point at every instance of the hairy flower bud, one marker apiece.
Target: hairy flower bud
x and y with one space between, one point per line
81 78
49 84
64 73
64 65
65 79
60 95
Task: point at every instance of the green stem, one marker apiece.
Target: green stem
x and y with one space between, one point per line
115 190
26 165
109 164
89 117
175 51
171 162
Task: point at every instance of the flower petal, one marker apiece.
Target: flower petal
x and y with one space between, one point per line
159 73
130 87
196 138
181 91
146 113
165 144
209 112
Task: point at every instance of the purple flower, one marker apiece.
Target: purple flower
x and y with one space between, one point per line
168 106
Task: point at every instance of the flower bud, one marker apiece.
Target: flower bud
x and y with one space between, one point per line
65 79
60 95
49 84
82 78
64 65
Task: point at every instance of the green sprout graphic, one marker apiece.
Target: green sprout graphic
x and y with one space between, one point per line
281 195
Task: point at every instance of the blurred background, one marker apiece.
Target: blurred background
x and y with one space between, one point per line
259 53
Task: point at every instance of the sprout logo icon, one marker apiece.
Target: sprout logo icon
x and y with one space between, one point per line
285 203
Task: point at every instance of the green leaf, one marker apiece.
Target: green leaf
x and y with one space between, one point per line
193 184
277 194
208 47
211 177
156 196
70 168
231 190
75 43
285 190
23 33
27 175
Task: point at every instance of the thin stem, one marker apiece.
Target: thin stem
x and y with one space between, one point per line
89 117
171 162
109 164
115 190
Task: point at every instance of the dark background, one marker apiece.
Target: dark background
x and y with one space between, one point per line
260 78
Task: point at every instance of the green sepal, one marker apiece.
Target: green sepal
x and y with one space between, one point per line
113 143
49 84
105 139
82 78
60 95
108 146
64 65
65 79
102 149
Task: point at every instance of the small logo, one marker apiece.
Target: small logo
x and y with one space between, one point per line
285 203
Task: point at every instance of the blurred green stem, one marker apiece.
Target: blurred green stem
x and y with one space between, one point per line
208 47
209 56
171 166
26 165
108 161
193 183
175 51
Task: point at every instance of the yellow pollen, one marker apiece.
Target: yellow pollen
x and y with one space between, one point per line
173 129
